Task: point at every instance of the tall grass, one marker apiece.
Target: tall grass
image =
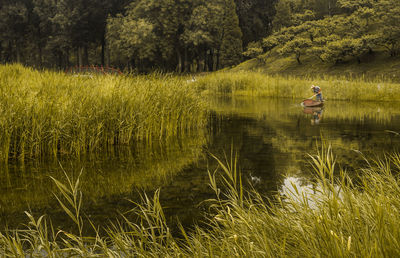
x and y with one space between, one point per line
335 217
47 113
260 84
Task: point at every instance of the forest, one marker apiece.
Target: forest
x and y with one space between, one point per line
192 35
143 34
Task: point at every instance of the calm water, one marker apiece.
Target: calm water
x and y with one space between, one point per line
271 137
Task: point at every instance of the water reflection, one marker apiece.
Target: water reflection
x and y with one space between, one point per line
299 190
315 112
107 179
346 126
272 138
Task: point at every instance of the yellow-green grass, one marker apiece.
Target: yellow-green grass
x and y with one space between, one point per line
257 83
48 114
330 216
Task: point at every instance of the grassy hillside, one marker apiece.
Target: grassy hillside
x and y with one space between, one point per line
378 65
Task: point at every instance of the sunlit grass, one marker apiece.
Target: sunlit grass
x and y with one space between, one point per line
252 83
46 114
335 217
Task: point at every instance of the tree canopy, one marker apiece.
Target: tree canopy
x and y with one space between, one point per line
172 35
335 31
176 35
192 35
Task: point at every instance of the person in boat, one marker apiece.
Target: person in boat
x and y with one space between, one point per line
318 92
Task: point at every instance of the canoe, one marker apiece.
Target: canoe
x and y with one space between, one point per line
311 103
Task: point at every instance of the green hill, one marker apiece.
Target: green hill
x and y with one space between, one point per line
378 65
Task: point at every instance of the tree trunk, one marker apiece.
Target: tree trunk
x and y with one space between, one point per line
186 63
59 59
85 55
40 56
205 60
393 51
103 47
211 60
67 59
298 59
9 56
198 68
218 59
329 9
79 57
179 58
17 51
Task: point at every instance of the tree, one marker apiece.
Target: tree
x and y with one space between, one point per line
254 50
347 30
203 32
255 18
14 21
283 16
388 20
231 45
297 46
132 38
165 19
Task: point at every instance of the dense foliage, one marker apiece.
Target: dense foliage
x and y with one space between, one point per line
141 34
189 36
335 30
54 33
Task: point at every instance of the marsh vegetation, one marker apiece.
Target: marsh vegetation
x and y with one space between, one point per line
253 83
121 134
47 114
333 215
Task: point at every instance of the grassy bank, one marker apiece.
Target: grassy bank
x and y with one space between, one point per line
377 66
256 83
47 113
328 216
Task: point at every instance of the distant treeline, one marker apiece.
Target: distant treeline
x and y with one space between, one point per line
170 35
192 35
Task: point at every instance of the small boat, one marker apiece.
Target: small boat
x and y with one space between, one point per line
312 103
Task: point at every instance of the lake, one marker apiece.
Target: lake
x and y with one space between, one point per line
272 139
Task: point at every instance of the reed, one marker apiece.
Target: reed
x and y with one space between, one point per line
331 216
253 83
46 114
